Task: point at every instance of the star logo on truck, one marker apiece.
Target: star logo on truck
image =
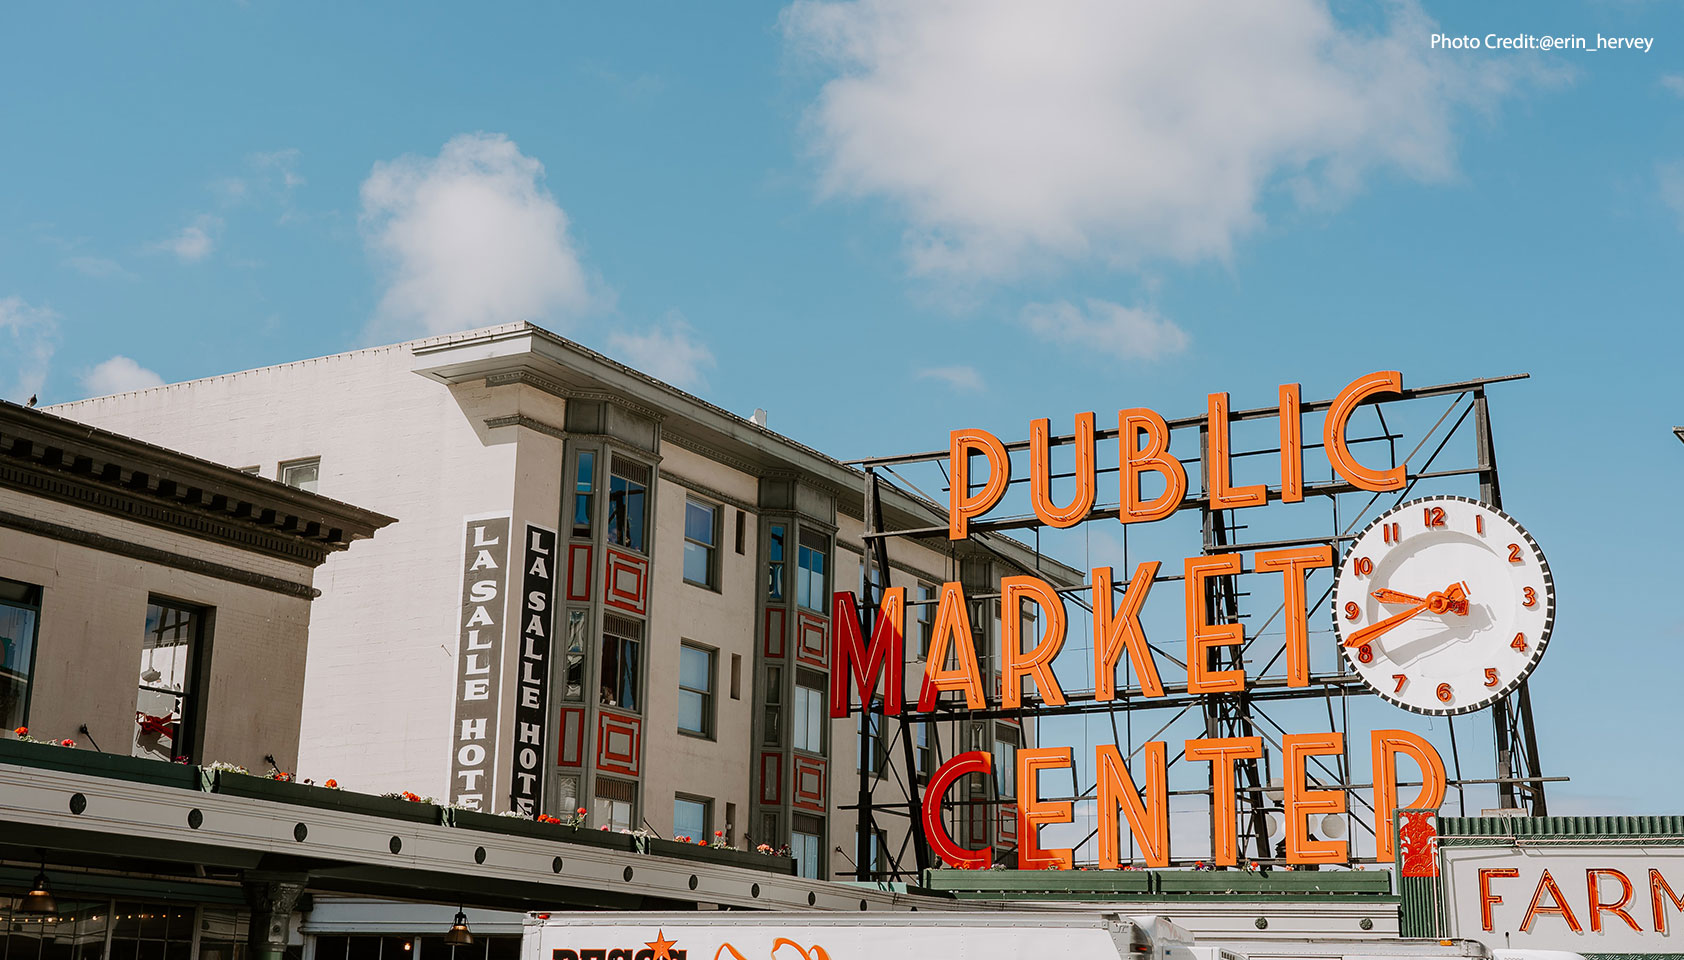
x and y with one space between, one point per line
661 945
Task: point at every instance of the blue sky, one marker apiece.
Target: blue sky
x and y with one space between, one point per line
883 222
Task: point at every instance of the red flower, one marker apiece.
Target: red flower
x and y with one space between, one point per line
719 833
581 811
331 784
67 743
22 731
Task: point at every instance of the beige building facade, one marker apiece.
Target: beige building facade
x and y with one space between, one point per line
604 592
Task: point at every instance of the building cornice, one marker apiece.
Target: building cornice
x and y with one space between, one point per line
517 420
710 492
712 453
50 456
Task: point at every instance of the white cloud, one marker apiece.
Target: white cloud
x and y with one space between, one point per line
118 375
1016 134
961 379
195 241
469 238
99 267
1128 333
1673 82
673 354
29 336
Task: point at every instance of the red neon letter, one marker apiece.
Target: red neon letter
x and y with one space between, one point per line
1658 888
1223 494
1333 432
864 665
952 628
1040 473
961 506
1115 629
1135 460
1486 897
964 858
1033 813
1202 634
1015 664
1292 445
1148 815
1303 802
1292 563
1222 752
1593 878
1546 884
1385 745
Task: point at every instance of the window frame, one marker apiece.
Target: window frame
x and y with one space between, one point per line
800 717
583 461
710 696
711 550
34 641
640 667
283 467
614 473
189 739
706 803
803 593
633 820
820 858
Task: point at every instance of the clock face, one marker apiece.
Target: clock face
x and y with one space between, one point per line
1443 605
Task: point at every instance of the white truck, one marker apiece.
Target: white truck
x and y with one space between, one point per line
1340 948
978 935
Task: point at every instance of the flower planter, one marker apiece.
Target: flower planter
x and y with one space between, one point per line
1040 884
522 827
111 766
725 856
232 784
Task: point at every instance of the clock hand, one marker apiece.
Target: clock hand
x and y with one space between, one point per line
1394 596
1375 629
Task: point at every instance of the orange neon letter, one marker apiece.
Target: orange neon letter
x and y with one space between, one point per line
1223 495
1597 908
1148 814
1292 563
1302 802
1015 664
1154 456
1202 635
1221 752
1333 432
1113 630
1547 884
964 858
1040 473
884 658
1658 888
1384 746
1486 897
1292 445
962 506
1033 813
952 629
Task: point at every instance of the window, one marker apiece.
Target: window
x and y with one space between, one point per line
166 702
922 752
872 746
1005 761
567 794
810 713
736 676
806 845
303 474
775 564
695 690
622 642
628 489
692 818
873 864
616 804
20 616
701 535
772 731
584 475
810 583
577 631
924 617
741 530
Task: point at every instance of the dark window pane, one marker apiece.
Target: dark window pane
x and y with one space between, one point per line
149 950
582 492
327 948
362 948
502 948
17 654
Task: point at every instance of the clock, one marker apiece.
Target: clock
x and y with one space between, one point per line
1443 605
